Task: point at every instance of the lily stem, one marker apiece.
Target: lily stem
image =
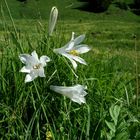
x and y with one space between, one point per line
42 106
137 80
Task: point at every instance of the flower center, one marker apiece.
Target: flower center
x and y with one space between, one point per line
74 52
37 66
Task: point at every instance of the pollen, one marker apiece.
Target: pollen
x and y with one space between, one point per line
37 66
74 52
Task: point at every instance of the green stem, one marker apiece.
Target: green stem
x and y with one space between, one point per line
88 122
17 37
11 17
38 95
42 106
137 80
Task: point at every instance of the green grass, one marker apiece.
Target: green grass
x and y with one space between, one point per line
68 10
32 111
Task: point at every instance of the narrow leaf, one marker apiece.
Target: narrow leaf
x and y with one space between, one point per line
111 126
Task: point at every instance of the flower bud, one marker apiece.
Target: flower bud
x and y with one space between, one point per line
53 19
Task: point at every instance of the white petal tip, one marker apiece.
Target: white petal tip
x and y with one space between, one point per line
28 78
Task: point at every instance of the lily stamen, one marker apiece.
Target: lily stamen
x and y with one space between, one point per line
37 66
74 52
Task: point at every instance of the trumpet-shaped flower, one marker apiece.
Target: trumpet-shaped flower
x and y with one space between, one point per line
53 19
72 50
34 66
76 93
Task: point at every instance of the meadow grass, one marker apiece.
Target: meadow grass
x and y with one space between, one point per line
32 111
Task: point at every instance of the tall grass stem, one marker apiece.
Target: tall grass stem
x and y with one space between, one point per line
136 70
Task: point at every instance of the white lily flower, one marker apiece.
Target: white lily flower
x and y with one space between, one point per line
76 93
72 49
33 65
53 19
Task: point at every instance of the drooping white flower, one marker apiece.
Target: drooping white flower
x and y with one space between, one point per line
52 20
34 66
76 93
72 49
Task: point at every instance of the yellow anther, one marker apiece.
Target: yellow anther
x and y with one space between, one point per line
37 66
73 52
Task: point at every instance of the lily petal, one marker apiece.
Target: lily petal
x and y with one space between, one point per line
79 87
30 77
34 54
82 48
44 59
66 91
79 100
24 58
79 59
41 72
84 93
25 69
59 50
70 46
79 39
65 48
74 64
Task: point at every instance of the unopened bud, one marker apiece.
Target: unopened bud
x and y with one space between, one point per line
53 19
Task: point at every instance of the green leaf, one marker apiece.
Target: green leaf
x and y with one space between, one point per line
117 111
111 126
111 111
122 136
109 136
122 126
114 113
